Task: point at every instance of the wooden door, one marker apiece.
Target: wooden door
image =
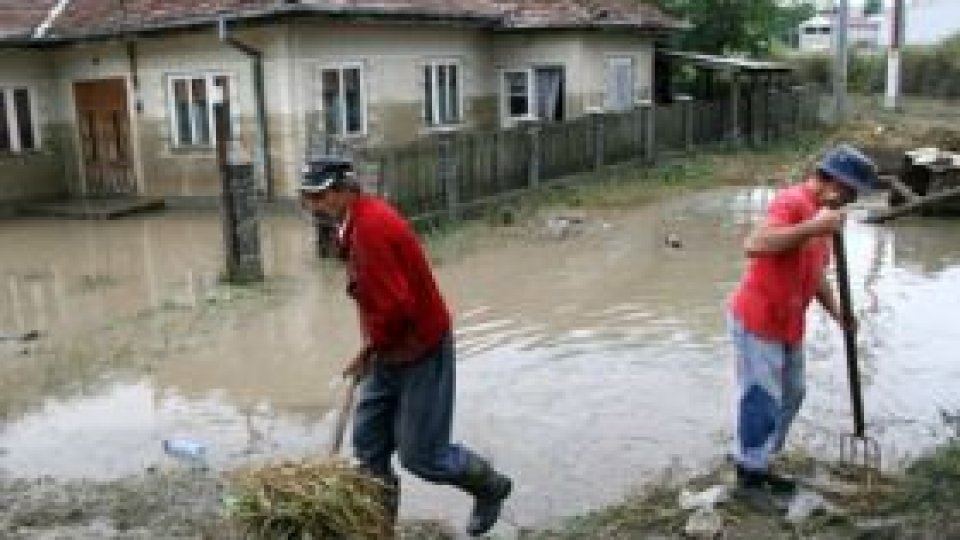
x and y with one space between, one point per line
104 123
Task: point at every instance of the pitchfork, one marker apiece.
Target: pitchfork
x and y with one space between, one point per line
857 449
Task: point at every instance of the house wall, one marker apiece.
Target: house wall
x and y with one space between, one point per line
294 52
34 174
539 49
599 47
162 168
392 59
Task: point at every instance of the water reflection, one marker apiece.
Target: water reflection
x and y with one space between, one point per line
587 364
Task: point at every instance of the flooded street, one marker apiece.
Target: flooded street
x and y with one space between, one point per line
589 362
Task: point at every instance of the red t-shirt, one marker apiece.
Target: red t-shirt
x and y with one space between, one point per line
772 299
401 310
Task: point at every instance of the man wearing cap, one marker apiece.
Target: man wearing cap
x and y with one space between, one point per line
787 257
406 367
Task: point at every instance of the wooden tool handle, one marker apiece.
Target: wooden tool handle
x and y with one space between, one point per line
849 338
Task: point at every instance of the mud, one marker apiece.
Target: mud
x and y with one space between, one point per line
589 359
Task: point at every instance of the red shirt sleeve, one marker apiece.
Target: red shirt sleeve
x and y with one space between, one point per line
379 284
784 210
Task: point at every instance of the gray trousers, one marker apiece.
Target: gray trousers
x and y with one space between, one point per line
409 409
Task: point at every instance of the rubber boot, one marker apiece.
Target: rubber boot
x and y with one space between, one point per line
391 498
489 489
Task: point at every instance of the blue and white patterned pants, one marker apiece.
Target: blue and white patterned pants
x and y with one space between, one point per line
770 389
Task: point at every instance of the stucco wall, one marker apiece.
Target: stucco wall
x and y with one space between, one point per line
33 174
392 58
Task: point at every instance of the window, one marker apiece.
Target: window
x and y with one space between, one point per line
518 94
191 108
17 126
620 84
441 103
343 98
534 93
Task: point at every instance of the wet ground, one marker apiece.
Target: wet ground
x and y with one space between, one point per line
592 357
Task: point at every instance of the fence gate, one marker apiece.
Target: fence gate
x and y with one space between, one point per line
104 124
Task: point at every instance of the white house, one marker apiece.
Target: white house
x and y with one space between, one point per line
95 99
816 33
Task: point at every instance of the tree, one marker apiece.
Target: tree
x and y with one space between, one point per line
736 26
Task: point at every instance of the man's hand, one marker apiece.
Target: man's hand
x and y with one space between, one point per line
827 221
360 365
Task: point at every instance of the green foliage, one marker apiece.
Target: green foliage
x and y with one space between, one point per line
737 26
929 71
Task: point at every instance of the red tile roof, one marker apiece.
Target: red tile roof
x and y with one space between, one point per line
105 17
18 18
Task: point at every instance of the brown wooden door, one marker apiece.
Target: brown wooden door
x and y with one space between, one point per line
104 122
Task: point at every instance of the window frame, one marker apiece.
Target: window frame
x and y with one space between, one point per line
209 81
529 73
12 119
340 68
432 117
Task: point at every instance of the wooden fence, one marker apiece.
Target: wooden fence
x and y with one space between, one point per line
444 174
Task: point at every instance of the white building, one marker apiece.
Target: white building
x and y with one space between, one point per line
816 33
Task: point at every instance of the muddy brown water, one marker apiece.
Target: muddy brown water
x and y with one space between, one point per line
590 362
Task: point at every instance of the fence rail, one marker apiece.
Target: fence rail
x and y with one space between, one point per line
443 174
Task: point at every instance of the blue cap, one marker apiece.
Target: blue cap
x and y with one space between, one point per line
850 167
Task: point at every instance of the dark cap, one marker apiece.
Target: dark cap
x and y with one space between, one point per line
850 167
320 173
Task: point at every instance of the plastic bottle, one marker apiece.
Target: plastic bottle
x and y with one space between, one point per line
186 450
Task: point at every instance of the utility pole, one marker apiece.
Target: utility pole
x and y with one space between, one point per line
841 21
894 70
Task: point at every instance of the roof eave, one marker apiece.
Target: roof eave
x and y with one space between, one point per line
276 14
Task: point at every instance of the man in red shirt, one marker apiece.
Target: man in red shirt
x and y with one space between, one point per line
407 364
788 255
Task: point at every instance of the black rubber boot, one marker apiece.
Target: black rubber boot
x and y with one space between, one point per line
391 498
489 489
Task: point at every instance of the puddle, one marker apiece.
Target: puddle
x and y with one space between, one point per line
587 364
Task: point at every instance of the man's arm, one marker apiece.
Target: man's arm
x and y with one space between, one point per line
826 297
772 237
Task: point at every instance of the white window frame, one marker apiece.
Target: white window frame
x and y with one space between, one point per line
531 94
341 95
208 78
13 128
433 120
612 62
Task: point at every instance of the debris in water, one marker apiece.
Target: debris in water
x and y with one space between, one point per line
804 505
673 240
706 499
192 452
704 524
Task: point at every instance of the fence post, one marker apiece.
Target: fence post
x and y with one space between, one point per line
649 116
686 105
757 107
734 127
447 173
533 154
597 125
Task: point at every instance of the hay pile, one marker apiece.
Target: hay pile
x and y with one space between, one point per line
308 499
